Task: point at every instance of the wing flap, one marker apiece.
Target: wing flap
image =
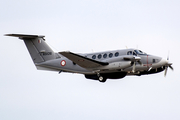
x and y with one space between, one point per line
83 61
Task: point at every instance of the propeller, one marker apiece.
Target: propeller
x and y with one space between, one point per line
168 65
134 67
134 60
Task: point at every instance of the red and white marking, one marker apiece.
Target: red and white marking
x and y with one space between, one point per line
63 63
39 41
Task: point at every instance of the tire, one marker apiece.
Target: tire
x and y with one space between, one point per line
101 79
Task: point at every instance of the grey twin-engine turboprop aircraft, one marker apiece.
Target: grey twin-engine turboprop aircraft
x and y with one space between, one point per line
97 66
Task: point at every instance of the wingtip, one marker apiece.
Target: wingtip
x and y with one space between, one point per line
7 34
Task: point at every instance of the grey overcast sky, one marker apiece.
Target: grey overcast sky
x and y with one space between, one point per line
85 26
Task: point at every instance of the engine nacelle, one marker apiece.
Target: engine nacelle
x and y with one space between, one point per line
116 65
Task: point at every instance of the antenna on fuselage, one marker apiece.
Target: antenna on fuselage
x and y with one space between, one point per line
168 55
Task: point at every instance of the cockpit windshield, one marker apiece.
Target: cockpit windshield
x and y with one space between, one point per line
139 52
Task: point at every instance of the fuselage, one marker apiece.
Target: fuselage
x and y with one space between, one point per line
149 63
98 66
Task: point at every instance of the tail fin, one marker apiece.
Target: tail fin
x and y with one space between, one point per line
37 47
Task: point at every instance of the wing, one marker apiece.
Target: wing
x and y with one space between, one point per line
83 61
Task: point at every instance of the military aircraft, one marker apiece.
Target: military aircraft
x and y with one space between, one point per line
97 66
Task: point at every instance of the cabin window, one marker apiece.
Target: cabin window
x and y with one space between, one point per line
110 55
116 54
105 55
94 57
99 56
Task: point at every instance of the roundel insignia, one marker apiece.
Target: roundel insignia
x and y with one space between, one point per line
63 63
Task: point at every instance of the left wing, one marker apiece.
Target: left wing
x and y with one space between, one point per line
83 61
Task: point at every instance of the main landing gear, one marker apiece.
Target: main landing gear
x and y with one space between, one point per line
101 79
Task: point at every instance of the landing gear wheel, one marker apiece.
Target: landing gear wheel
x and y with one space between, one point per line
101 79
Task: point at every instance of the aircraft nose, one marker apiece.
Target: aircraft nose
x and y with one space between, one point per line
163 62
166 64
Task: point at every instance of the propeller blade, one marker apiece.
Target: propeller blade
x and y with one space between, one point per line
134 67
140 62
165 72
171 67
168 56
168 65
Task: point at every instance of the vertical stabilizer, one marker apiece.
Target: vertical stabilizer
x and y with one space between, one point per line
37 47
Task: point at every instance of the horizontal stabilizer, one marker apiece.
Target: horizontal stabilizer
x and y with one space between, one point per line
83 61
22 36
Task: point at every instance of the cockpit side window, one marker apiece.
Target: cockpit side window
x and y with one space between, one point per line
139 52
129 53
134 54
